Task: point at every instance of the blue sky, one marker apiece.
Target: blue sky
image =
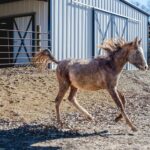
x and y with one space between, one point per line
144 2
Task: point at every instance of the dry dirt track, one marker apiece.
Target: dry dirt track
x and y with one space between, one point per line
27 114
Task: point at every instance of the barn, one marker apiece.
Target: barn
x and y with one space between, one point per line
70 28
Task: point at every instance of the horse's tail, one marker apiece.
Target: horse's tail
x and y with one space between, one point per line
42 58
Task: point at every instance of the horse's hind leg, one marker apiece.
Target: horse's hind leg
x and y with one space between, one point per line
115 95
62 90
72 99
122 98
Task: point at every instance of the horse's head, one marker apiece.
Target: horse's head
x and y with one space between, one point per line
136 55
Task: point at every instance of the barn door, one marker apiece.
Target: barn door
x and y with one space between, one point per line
102 29
23 39
120 27
108 26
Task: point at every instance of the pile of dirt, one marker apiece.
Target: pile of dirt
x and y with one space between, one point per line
27 113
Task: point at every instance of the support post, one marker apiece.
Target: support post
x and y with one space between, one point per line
38 30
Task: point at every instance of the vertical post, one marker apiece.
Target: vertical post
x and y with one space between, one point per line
38 30
148 41
127 39
33 35
49 23
8 38
93 32
49 27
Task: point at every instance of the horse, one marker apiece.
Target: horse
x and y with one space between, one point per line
102 72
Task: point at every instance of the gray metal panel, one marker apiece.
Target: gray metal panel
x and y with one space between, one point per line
102 30
71 30
22 23
120 26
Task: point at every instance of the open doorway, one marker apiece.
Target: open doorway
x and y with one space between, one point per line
6 42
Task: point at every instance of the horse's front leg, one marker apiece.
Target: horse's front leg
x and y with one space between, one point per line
72 99
115 96
123 100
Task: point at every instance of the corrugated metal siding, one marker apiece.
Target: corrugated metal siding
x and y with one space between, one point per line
103 30
71 30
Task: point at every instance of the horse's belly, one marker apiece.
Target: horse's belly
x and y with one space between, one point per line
86 82
86 86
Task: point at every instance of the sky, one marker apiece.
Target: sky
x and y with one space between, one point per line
144 2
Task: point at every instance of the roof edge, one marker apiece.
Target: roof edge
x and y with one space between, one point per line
135 7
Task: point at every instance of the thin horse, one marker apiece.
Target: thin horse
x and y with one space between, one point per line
98 73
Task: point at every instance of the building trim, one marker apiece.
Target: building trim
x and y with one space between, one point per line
93 32
106 11
18 15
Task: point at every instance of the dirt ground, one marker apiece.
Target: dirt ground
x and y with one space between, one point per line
27 114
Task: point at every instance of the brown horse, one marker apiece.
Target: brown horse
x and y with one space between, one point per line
97 73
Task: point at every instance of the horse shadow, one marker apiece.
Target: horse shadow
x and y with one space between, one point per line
25 136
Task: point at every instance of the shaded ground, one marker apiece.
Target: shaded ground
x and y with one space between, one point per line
27 114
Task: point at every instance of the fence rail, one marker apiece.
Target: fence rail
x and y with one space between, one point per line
20 45
3 38
18 50
23 31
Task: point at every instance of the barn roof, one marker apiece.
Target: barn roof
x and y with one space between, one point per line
135 7
124 1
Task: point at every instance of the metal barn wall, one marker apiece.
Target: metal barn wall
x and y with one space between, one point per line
40 8
72 26
71 30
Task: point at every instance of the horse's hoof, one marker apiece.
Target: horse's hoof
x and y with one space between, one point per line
134 129
118 118
60 124
90 118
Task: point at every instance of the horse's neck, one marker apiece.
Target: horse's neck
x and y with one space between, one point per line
120 59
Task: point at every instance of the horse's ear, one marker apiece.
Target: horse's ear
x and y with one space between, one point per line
135 42
139 42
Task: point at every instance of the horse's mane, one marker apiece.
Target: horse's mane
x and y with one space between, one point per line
112 45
